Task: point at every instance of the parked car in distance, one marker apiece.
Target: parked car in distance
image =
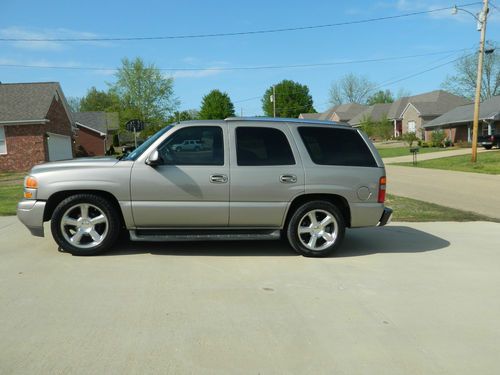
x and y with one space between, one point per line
188 145
489 141
257 178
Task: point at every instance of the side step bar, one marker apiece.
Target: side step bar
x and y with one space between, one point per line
202 235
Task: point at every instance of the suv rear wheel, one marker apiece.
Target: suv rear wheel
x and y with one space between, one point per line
316 229
85 224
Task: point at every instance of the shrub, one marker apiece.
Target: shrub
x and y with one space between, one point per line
438 138
409 138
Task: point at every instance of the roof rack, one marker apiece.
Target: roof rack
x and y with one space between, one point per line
283 119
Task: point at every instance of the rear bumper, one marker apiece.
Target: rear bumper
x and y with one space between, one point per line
30 213
386 217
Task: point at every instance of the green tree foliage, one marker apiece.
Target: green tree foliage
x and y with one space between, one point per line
216 105
144 93
177 116
380 97
410 138
351 89
438 138
292 99
463 82
382 129
97 101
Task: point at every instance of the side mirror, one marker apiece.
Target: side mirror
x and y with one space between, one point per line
154 159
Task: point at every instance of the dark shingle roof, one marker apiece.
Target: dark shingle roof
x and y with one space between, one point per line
489 109
310 116
375 112
27 101
432 103
100 121
345 112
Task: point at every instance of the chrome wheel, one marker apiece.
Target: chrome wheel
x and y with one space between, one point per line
317 230
84 225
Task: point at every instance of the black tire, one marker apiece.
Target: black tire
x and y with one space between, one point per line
108 232
489 147
337 229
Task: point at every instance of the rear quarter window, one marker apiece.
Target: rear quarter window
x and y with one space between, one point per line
334 146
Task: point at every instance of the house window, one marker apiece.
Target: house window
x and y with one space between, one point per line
412 127
3 141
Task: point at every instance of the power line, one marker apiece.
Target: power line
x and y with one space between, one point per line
262 67
238 33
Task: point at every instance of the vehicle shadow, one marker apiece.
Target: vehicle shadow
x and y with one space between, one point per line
358 242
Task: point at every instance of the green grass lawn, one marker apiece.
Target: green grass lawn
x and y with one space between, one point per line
11 192
412 210
487 162
404 151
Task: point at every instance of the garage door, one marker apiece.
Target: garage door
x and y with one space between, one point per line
59 147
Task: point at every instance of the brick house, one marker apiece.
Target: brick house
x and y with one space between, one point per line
35 125
457 123
95 132
411 113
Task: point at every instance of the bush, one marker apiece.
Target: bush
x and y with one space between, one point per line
409 138
425 144
438 138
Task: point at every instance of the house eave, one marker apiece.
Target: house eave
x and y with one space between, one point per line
25 122
91 129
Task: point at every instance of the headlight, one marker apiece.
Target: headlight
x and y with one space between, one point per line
30 186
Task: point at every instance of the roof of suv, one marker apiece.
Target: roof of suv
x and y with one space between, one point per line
291 121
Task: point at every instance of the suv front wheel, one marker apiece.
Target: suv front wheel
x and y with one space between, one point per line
316 229
85 224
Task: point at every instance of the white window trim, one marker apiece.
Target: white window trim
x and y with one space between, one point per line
3 139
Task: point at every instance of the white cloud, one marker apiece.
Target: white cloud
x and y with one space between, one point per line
16 32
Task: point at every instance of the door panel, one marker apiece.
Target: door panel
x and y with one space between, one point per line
182 195
260 193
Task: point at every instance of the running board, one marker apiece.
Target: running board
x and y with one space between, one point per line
203 235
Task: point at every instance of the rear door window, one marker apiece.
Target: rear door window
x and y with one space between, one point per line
333 146
262 146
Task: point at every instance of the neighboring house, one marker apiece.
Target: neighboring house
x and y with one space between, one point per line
342 112
35 125
457 123
376 113
411 113
95 132
310 116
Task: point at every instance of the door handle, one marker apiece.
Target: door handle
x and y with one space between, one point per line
288 178
218 179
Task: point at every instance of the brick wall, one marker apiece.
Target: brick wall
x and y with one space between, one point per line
89 143
25 147
26 144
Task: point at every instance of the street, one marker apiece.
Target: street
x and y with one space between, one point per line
409 298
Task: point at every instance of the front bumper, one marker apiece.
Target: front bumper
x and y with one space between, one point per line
386 217
30 213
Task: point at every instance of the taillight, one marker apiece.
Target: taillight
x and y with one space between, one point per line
381 189
492 138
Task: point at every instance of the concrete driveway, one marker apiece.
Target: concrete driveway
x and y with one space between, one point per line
403 299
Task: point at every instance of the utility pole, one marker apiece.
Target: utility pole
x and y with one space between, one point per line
475 124
274 101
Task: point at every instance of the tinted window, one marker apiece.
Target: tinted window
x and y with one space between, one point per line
196 145
332 146
262 146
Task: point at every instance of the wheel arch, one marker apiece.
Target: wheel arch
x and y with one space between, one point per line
339 201
58 197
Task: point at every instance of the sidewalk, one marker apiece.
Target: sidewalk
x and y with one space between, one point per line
461 190
432 155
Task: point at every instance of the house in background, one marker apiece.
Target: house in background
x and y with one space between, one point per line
36 125
310 116
457 123
342 112
376 113
95 132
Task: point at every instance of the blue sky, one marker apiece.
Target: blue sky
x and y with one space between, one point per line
420 34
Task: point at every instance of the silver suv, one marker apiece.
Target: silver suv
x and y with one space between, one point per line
254 178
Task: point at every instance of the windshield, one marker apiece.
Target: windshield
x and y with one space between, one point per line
139 150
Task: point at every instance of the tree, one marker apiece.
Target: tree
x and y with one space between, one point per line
292 99
463 82
380 97
97 101
216 105
74 103
351 89
144 93
190 114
